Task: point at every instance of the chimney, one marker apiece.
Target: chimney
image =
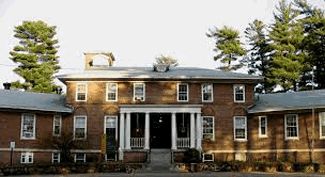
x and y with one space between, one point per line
7 85
98 60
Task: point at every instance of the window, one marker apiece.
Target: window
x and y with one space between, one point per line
239 93
322 125
80 157
28 126
57 125
27 157
81 92
80 127
262 126
55 157
182 92
139 91
208 157
291 126
240 128
208 127
111 92
207 92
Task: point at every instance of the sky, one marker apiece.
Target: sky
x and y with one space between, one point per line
134 31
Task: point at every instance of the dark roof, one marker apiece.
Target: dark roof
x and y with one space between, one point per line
33 101
289 101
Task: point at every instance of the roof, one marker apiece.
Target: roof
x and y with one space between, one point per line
33 101
148 73
288 101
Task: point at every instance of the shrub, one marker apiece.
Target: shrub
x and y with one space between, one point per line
191 156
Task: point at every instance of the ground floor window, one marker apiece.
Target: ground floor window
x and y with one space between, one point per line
27 157
55 157
208 127
80 157
240 128
291 126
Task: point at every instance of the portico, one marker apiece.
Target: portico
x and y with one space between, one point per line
127 143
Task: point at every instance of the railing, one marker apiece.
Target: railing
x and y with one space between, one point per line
183 142
137 142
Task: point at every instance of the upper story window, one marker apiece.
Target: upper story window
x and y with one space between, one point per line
81 92
28 126
27 157
291 126
207 92
240 128
57 120
208 127
182 92
262 126
139 92
111 92
80 127
239 93
322 125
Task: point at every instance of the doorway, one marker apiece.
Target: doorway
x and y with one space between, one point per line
160 130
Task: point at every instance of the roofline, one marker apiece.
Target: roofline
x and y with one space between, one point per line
288 109
35 109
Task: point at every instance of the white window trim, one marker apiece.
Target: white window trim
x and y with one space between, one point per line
178 92
285 127
144 90
116 92
75 157
203 93
85 91
259 127
320 125
244 93
203 159
74 128
59 157
26 155
213 133
54 125
21 128
235 128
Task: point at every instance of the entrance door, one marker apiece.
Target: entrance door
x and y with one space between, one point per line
110 137
160 130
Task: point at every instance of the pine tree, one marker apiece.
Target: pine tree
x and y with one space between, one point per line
36 54
287 58
228 46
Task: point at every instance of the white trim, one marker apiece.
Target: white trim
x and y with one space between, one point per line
213 132
60 117
116 92
144 90
320 124
21 127
285 127
259 127
51 150
236 139
116 125
27 154
244 93
165 109
187 94
59 157
74 127
208 101
85 91
75 157
266 151
203 159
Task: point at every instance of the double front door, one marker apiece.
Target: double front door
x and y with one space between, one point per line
160 130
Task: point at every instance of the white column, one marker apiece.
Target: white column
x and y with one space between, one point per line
192 132
198 132
128 131
121 136
174 133
146 131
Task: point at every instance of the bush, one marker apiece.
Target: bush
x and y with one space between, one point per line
191 156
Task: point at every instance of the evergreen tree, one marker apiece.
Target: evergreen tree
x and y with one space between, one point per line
287 58
36 54
228 46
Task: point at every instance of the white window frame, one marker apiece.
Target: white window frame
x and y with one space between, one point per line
213 132
116 91
74 127
60 118
78 92
244 93
285 127
236 139
75 157
204 160
144 90
203 93
26 154
320 124
22 125
59 157
260 127
187 94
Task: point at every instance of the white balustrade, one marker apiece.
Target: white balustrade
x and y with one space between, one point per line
183 142
137 142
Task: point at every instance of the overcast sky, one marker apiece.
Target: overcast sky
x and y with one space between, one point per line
135 31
